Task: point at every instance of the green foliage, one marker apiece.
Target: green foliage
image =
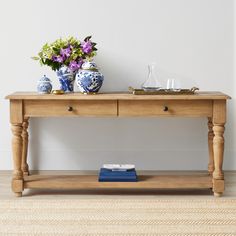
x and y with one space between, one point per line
53 56
87 38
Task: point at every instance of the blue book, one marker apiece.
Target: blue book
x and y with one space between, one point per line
117 180
107 175
118 177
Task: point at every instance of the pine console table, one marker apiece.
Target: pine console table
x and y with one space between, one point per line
24 105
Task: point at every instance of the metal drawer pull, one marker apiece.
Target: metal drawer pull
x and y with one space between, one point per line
70 109
165 108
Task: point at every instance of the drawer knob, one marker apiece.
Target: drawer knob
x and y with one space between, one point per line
165 108
70 109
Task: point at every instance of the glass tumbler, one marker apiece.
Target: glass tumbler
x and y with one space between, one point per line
173 85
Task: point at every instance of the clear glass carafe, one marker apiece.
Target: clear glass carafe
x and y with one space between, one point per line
152 83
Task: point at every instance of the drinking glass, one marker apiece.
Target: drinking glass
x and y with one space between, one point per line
173 85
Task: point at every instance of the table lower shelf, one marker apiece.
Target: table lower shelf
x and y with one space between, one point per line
198 181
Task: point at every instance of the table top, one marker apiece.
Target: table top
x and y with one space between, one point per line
208 95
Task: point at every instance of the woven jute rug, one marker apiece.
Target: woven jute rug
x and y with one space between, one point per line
167 217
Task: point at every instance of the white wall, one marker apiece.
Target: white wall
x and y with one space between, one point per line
191 38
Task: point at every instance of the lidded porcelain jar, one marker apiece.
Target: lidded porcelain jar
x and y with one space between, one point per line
88 78
44 85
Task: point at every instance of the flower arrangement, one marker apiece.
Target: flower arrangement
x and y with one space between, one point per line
68 52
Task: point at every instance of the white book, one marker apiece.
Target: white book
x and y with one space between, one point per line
119 167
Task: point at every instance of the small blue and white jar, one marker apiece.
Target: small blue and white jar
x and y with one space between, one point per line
44 85
66 78
88 78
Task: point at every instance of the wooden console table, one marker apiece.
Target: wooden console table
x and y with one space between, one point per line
211 105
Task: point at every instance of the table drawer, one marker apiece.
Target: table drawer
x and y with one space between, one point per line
53 108
165 108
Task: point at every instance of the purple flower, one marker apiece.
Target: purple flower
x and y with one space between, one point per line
87 47
65 52
74 66
79 64
59 58
54 57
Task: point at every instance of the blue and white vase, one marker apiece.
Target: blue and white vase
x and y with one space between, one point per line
44 85
66 78
88 78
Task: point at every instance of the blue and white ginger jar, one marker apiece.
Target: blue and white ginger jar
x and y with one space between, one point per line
44 85
66 78
88 78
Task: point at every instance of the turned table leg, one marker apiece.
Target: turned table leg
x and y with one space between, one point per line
210 146
17 180
218 149
25 135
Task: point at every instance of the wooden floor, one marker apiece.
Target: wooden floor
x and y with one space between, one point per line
5 189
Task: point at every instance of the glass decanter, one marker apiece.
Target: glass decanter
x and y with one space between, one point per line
152 83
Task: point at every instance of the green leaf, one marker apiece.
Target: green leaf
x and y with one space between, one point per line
35 58
87 38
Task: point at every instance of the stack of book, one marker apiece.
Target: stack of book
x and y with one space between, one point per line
117 173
